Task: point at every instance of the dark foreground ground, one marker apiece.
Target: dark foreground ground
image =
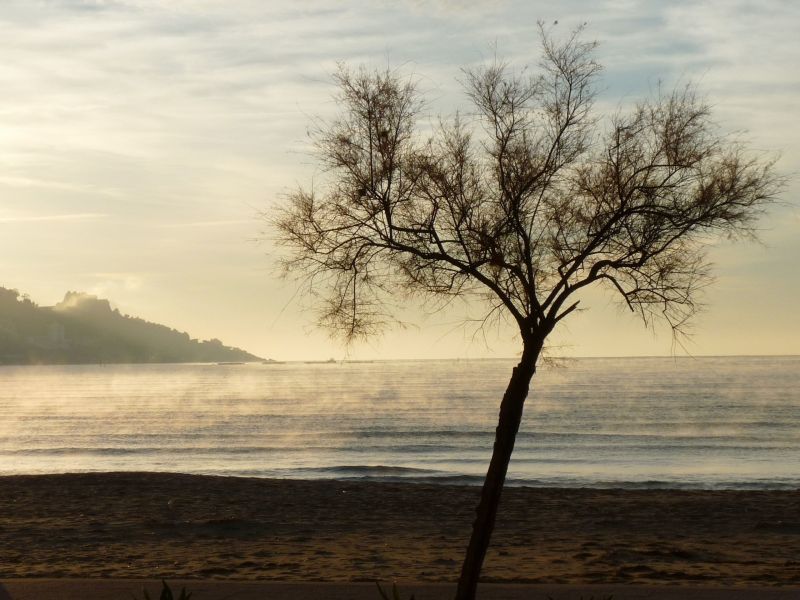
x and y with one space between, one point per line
146 525
121 589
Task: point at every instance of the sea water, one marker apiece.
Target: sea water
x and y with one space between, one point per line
731 422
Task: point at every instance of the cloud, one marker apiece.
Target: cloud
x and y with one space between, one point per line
113 285
220 223
53 218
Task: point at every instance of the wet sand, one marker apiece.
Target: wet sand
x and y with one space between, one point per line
147 525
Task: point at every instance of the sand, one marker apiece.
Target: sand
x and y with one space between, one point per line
146 525
128 589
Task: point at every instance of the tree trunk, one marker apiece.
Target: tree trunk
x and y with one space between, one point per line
505 435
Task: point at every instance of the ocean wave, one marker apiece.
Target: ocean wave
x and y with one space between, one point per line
367 471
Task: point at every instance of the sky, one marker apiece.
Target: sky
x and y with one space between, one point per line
141 141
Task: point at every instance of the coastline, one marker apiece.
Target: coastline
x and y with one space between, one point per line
153 525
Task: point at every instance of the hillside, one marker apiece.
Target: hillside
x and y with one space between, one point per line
85 329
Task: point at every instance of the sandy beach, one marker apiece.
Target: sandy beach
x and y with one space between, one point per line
147 525
127 589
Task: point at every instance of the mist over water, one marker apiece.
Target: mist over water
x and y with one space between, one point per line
621 422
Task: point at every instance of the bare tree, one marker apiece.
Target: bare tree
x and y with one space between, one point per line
519 207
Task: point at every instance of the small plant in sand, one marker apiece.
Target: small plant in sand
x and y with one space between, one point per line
166 593
395 592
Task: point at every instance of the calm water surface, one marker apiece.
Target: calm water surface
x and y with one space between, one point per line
633 422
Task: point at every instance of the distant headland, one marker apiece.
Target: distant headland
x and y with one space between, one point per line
85 329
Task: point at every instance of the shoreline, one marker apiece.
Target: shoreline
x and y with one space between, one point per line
130 525
447 480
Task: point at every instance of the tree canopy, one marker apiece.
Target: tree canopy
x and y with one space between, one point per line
525 201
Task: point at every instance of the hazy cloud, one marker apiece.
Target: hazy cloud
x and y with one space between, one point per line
52 218
221 223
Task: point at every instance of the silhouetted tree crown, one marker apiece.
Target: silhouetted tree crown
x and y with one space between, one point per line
526 202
